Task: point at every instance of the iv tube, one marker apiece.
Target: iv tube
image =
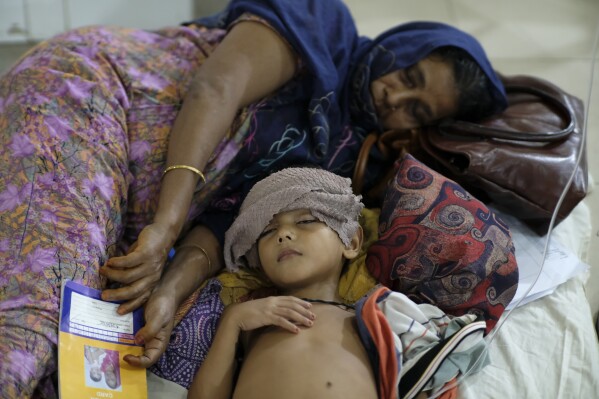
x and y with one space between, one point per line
582 148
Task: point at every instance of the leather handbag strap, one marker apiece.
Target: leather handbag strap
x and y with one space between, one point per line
391 144
362 162
470 129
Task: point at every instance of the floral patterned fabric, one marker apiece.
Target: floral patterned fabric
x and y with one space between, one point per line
439 245
84 124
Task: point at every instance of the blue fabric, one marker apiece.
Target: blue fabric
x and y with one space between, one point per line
343 65
323 115
304 24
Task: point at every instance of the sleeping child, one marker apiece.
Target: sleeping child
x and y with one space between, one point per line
300 227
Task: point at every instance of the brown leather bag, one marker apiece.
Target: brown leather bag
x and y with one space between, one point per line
520 159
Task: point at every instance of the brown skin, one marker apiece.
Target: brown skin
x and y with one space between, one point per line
188 270
251 62
325 360
295 348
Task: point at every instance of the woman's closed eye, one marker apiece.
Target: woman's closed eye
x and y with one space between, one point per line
406 79
412 77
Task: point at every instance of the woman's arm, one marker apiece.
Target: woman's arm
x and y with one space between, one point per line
251 62
197 258
214 379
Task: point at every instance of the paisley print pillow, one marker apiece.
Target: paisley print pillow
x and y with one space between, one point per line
440 245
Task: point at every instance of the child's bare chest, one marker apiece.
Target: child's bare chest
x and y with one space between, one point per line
326 360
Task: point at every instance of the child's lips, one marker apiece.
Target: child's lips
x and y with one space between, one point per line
287 253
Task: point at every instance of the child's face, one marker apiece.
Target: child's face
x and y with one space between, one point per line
296 250
95 374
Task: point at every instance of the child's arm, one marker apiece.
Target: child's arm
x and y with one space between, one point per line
214 379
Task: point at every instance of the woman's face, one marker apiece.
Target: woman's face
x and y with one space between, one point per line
416 96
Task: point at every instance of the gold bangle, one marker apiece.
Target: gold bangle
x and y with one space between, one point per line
191 168
201 249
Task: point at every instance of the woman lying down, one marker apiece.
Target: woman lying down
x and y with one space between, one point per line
300 227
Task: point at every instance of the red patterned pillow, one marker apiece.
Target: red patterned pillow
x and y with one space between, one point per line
439 245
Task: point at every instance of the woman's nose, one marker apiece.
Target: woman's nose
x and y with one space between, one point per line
396 97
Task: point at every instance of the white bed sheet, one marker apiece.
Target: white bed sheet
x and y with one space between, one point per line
546 349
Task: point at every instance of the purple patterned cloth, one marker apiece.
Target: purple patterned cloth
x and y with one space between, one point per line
84 124
191 338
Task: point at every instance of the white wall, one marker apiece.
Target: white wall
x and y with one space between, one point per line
208 7
30 20
12 21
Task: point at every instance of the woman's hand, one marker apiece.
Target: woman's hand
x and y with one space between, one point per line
286 312
155 335
140 270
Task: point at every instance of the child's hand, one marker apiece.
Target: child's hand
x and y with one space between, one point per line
159 314
286 312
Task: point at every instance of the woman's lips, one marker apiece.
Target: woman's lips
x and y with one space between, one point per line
287 253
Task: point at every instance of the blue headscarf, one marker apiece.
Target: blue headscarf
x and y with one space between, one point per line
305 24
402 47
322 116
342 64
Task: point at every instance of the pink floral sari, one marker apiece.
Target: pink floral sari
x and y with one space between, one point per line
84 124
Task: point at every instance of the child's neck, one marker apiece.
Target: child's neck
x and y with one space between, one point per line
321 292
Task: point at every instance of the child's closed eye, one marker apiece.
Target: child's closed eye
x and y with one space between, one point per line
270 229
308 221
266 232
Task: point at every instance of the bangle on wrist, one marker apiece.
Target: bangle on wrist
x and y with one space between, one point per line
201 249
187 167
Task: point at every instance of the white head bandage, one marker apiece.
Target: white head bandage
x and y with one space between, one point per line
329 198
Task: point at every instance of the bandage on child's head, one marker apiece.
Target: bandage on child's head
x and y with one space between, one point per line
327 196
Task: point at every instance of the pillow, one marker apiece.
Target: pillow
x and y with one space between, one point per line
437 244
